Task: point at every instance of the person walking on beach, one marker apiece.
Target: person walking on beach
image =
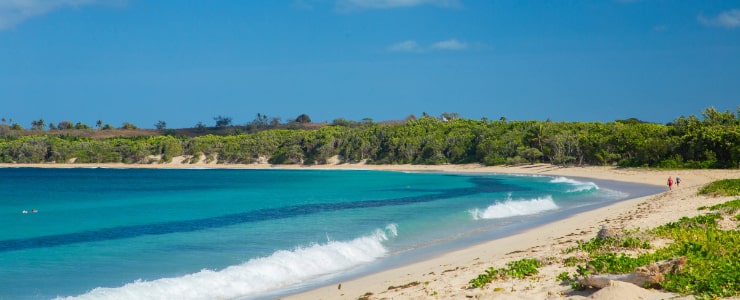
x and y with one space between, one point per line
670 183
678 181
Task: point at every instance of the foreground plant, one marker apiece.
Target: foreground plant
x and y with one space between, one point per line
516 269
712 266
711 255
724 187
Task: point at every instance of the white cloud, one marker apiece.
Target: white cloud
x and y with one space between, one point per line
352 5
405 46
13 12
728 19
411 46
451 44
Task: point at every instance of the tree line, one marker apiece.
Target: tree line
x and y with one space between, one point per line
260 122
712 141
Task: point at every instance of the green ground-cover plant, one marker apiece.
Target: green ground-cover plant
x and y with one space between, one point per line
605 255
713 256
724 187
517 269
572 261
729 207
614 263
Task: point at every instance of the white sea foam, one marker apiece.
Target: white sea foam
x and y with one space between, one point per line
577 186
510 208
259 275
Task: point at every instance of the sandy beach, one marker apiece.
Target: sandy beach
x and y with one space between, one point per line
447 276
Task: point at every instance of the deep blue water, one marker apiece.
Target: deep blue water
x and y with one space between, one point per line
218 233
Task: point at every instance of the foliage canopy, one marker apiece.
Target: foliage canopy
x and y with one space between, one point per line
687 142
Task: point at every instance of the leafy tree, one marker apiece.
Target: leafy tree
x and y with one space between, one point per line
349 123
260 120
64 125
303 119
530 154
631 121
564 146
713 117
288 155
168 147
129 126
341 122
222 121
38 125
161 125
81 125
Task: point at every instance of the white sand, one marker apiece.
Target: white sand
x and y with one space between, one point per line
447 276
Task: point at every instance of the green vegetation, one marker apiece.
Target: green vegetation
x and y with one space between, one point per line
597 245
712 254
515 269
688 142
725 187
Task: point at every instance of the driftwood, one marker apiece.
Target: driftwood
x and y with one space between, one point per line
649 275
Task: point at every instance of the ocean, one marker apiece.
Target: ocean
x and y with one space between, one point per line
102 233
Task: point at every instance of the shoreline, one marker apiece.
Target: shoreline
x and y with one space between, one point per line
596 172
446 276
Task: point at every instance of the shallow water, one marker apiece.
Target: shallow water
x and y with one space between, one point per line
214 233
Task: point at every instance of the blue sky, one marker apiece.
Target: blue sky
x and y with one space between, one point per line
186 62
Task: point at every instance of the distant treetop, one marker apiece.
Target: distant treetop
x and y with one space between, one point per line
303 118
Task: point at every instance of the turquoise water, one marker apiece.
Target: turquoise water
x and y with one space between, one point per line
205 234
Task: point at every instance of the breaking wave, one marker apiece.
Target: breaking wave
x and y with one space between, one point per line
281 269
576 186
510 208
